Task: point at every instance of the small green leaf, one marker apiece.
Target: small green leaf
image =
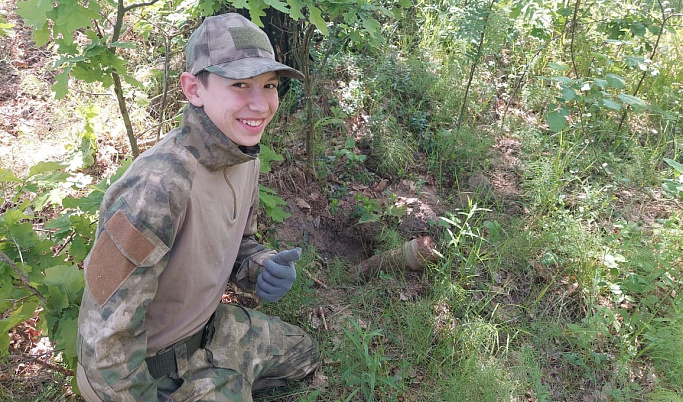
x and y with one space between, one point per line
556 121
12 216
132 81
7 175
79 248
602 84
558 67
61 85
207 7
26 311
124 45
90 203
24 235
67 335
278 5
393 210
267 156
6 28
568 94
42 167
82 224
256 11
318 20
271 204
34 12
494 230
371 26
615 81
295 9
638 29
372 217
654 29
610 104
562 79
69 280
42 35
674 164
72 16
350 143
60 225
56 299
632 101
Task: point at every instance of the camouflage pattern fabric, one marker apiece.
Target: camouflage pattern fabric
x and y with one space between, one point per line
249 351
233 47
143 223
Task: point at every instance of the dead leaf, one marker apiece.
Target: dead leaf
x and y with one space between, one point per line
571 288
381 186
320 381
301 203
315 322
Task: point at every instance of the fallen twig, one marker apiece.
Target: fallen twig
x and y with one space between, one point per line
321 312
38 359
311 277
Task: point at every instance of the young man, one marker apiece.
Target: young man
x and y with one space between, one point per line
176 228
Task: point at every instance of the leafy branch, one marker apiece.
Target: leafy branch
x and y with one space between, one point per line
24 280
660 31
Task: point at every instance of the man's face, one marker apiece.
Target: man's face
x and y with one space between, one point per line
241 109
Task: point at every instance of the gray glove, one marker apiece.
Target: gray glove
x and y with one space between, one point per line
278 276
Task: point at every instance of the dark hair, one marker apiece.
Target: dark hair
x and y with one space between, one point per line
203 77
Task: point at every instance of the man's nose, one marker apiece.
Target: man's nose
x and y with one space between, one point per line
258 100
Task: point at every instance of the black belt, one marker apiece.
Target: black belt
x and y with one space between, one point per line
164 362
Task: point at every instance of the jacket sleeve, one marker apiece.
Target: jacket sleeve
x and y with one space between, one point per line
136 230
252 256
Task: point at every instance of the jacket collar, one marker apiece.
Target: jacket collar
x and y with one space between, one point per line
208 143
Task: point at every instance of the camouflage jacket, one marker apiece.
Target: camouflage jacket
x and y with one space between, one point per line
172 232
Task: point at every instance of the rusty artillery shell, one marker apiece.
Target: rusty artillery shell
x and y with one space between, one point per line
412 255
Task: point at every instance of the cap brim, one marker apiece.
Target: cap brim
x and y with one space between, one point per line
251 67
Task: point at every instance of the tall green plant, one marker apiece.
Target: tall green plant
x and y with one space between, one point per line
97 61
39 264
477 26
363 369
356 20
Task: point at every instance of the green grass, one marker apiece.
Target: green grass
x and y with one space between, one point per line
573 294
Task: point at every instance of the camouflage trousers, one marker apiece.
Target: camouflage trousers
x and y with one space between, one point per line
249 351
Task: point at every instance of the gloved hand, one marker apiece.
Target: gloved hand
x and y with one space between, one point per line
278 276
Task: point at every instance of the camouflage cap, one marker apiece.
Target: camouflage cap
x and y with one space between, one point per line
233 47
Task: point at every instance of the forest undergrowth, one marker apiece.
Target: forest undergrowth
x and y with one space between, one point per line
537 143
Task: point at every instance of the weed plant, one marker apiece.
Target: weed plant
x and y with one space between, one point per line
392 149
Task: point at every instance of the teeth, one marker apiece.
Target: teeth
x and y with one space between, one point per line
252 123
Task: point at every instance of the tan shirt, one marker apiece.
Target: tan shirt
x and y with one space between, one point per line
203 254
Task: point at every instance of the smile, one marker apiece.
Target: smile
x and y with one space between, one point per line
252 123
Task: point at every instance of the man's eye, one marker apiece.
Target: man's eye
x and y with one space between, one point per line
271 86
239 85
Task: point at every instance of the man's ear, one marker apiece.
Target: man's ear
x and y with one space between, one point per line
190 84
